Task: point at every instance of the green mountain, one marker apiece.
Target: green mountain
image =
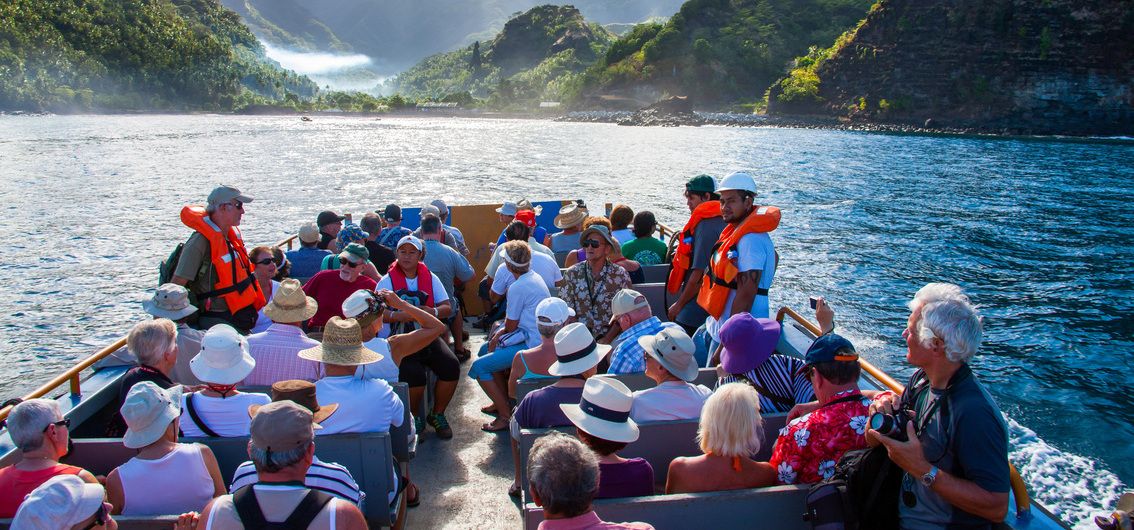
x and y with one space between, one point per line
67 55
539 54
287 23
719 51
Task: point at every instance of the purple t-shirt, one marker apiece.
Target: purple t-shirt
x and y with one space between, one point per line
540 408
632 478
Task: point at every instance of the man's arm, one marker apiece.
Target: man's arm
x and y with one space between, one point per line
746 284
688 293
416 340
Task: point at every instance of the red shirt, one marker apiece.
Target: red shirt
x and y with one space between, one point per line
15 484
809 447
330 291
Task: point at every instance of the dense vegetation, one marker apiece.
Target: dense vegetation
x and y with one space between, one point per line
539 55
721 51
66 55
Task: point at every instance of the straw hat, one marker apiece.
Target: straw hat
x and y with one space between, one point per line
342 345
569 216
303 394
170 301
224 358
290 304
148 411
673 349
604 410
61 502
576 351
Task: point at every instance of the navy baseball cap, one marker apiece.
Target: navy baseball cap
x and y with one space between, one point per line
827 348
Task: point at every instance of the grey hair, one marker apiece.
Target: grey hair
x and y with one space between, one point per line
150 339
564 473
29 419
948 314
273 461
211 208
371 223
549 330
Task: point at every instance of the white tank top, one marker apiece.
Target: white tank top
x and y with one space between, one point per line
176 483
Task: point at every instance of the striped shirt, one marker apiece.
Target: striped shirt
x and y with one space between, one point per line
276 352
628 357
777 376
327 477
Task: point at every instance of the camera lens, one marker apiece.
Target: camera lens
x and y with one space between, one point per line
882 423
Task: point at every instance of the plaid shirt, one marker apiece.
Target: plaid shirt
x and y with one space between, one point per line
277 356
628 357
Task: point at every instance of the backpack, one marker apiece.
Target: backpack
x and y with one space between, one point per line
861 494
166 268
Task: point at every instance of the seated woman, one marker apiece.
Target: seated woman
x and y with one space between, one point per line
219 409
533 363
730 432
166 477
264 269
645 248
602 421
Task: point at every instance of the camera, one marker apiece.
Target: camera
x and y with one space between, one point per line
892 425
814 303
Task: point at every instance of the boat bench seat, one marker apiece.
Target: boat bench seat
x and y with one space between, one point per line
368 456
658 443
125 522
776 507
638 381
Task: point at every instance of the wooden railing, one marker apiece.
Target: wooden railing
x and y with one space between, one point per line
71 376
1019 488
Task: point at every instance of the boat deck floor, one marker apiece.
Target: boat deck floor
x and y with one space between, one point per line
464 481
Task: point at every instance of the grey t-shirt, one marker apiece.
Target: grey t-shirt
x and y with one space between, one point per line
447 264
705 235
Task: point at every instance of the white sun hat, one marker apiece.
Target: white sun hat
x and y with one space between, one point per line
61 502
508 208
224 357
576 351
604 410
673 349
148 411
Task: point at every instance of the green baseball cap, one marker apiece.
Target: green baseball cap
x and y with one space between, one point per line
701 184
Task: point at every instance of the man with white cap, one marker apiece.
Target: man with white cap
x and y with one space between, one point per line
631 313
219 410
282 448
331 287
306 259
577 358
65 503
602 422
275 348
172 301
42 435
213 264
551 315
165 477
670 363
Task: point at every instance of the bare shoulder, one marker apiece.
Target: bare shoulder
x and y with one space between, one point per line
348 516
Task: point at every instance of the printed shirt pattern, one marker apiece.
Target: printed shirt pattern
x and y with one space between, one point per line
809 446
590 298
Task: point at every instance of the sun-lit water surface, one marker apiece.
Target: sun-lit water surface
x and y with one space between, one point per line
1039 232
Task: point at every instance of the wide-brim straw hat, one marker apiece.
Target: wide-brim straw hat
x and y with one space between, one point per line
603 410
169 301
342 345
570 215
224 357
290 304
576 351
302 393
148 411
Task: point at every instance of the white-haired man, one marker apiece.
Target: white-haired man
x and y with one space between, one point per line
956 459
40 432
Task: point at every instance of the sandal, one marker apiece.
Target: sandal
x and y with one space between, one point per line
497 425
415 500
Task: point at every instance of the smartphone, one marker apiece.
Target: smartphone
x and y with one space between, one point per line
814 303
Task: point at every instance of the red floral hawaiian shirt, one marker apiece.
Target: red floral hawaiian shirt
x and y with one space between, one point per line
810 445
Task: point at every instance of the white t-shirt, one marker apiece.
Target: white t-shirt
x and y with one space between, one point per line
497 257
365 405
523 296
754 252
671 400
228 417
623 236
262 320
542 265
439 295
384 369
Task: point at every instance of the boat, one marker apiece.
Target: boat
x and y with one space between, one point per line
464 480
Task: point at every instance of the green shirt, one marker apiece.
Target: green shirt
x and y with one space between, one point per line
645 250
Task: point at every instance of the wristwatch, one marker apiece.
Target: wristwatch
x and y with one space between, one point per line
928 478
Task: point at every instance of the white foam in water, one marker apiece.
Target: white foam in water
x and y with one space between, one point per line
1073 487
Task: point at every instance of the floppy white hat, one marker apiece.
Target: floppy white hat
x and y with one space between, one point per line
604 410
148 411
61 502
673 349
576 351
170 301
224 357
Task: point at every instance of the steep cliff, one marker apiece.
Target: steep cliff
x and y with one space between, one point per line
1021 66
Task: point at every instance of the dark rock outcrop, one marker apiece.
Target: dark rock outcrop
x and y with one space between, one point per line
670 112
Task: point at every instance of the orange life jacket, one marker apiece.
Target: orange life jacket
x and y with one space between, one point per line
720 275
235 283
683 255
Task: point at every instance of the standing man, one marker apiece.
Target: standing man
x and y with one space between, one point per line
743 261
451 267
956 459
394 230
693 249
214 265
329 225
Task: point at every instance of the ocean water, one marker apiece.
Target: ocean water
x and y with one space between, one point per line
1039 231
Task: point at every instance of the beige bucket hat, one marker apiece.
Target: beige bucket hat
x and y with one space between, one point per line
342 345
148 411
170 301
290 304
673 349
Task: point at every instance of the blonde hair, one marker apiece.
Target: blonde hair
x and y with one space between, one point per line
518 252
150 339
730 422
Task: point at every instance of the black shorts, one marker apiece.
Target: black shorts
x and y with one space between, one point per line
437 357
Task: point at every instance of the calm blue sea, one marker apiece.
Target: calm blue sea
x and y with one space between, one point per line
1039 231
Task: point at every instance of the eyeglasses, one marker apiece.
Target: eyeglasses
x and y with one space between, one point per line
99 518
65 422
265 261
593 243
236 204
348 263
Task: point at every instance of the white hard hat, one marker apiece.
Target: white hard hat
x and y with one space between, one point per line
738 181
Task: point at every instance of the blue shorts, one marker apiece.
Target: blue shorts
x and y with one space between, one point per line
487 363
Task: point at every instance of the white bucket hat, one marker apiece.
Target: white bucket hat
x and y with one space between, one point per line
604 410
673 349
508 208
148 411
61 502
170 301
576 351
224 357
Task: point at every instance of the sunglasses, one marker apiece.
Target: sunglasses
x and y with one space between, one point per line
348 263
593 243
65 422
236 204
265 261
99 518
